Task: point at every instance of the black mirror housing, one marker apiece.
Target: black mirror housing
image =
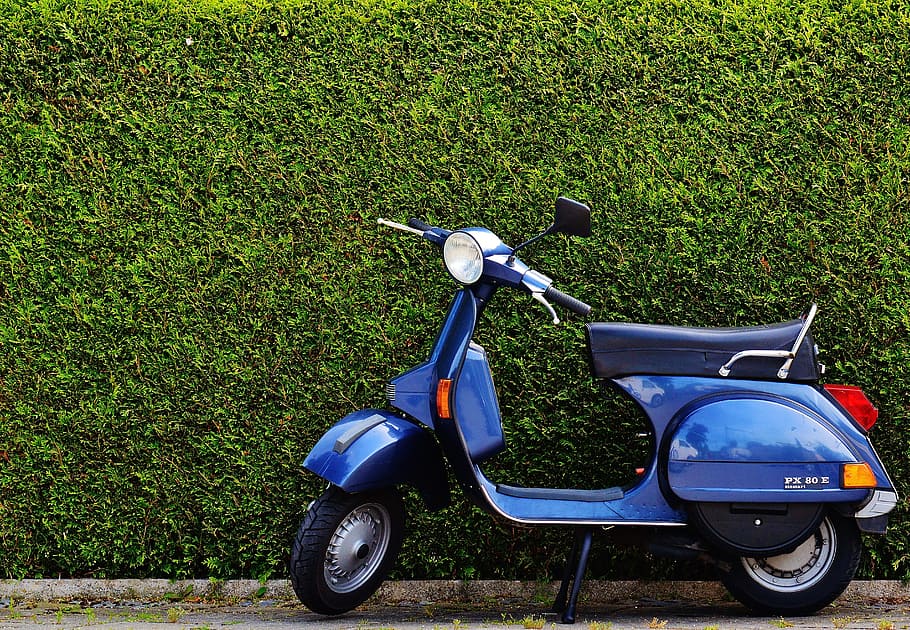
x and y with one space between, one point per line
572 218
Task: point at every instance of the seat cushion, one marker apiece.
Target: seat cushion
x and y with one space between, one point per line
620 349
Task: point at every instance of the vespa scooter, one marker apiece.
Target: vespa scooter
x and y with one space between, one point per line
757 468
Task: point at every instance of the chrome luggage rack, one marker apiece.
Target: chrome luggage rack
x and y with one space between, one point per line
787 355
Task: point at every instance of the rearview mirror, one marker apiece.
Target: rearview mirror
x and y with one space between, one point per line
572 218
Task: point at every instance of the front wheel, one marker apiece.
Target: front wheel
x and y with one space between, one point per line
345 547
803 581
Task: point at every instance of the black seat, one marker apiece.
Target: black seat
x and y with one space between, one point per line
619 349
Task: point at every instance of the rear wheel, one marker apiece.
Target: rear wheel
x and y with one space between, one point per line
345 547
804 580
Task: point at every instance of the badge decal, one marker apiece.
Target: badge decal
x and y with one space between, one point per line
806 483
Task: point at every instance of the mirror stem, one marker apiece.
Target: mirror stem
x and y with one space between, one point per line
511 260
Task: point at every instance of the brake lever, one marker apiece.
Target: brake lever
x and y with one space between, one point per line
540 298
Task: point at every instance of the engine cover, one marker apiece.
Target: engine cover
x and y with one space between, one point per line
756 529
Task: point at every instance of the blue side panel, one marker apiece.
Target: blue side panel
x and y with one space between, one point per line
758 446
373 448
476 407
414 392
760 482
755 430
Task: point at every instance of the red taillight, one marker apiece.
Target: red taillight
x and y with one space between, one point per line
855 402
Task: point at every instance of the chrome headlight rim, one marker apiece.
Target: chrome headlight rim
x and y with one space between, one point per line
463 257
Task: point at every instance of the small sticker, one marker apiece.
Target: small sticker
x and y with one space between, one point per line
806 483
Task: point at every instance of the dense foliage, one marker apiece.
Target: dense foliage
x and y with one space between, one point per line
193 286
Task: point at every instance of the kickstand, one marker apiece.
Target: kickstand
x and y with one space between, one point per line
575 568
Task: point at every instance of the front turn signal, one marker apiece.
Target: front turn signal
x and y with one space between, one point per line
443 398
858 476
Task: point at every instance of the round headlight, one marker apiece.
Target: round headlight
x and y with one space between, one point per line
463 257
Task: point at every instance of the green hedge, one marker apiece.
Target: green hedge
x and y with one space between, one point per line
193 286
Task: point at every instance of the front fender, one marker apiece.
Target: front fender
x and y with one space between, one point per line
373 448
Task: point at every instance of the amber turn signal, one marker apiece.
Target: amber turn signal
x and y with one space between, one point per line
443 398
858 476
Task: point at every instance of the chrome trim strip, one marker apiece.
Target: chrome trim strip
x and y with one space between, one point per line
356 429
536 282
882 502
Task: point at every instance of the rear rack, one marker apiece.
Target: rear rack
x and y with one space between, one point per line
787 355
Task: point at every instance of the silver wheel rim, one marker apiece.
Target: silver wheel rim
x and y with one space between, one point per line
801 568
357 548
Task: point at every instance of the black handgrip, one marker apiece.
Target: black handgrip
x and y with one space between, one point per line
435 235
565 300
417 224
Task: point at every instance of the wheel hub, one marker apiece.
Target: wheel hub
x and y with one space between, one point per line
798 569
357 547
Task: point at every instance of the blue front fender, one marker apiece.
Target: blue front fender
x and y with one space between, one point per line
373 448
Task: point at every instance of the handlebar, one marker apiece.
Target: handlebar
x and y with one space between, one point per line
438 236
435 235
567 301
417 224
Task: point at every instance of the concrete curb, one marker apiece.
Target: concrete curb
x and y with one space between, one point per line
595 591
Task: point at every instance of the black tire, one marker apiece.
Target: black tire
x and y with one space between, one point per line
345 547
803 581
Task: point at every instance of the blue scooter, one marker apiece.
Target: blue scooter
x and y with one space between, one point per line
757 468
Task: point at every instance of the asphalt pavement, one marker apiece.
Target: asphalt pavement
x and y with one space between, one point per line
141 605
